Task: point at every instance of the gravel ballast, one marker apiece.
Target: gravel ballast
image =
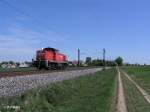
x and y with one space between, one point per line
14 86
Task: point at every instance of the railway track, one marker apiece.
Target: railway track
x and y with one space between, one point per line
36 71
15 86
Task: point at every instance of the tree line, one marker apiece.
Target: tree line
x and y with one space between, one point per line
100 62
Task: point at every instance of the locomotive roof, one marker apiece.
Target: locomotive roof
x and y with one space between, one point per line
50 49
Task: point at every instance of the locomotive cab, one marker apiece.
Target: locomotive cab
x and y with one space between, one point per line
50 58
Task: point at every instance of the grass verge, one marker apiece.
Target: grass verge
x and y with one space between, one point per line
92 93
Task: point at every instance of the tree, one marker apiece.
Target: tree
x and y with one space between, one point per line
97 62
4 62
11 62
119 61
18 64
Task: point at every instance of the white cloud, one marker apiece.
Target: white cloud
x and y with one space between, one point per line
20 43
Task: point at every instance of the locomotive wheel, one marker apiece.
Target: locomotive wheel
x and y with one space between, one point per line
49 68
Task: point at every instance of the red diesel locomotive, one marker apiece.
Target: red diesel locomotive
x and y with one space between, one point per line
50 58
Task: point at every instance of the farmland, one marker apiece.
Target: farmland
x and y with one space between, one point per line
93 93
134 99
141 75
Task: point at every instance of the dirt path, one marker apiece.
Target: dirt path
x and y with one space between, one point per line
121 104
142 91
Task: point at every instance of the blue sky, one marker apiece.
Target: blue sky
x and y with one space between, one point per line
120 26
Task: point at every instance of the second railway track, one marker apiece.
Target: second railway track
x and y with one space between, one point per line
36 71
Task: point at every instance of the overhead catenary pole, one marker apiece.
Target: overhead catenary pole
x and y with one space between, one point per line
78 57
104 61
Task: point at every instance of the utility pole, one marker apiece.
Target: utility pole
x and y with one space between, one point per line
104 62
78 57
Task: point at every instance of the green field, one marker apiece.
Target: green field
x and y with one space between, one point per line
92 93
141 75
134 100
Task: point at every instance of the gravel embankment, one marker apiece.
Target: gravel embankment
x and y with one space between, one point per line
12 86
